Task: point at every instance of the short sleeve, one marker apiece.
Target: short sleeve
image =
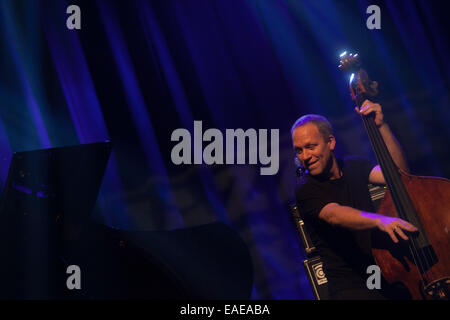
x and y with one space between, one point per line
360 166
310 199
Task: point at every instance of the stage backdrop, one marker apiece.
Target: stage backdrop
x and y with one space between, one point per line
138 70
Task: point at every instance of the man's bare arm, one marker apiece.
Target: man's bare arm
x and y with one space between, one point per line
354 219
394 148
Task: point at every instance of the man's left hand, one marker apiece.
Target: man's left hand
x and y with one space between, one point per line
369 107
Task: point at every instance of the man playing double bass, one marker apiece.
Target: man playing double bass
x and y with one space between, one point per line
334 201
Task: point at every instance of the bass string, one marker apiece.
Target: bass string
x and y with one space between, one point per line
403 200
386 162
392 179
375 140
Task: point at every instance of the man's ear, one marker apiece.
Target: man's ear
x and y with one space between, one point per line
332 142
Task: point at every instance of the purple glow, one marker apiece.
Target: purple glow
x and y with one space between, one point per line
155 38
82 100
44 194
21 188
87 117
139 112
31 100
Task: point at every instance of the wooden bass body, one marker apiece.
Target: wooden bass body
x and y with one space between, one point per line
431 199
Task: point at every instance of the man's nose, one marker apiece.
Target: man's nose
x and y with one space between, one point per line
306 155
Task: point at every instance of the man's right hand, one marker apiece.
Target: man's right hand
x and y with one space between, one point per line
395 226
354 219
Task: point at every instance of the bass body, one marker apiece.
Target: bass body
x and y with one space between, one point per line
428 279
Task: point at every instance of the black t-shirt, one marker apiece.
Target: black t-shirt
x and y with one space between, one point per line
345 253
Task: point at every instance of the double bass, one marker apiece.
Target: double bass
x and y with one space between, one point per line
421 263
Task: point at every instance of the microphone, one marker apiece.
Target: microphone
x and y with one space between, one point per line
300 170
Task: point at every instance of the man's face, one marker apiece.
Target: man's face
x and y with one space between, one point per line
312 150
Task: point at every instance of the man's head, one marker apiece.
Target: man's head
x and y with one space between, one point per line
314 143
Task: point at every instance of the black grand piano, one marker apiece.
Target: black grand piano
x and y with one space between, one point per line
45 228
